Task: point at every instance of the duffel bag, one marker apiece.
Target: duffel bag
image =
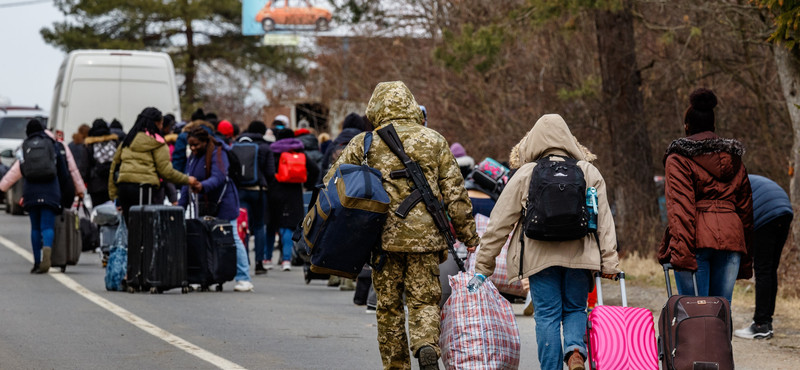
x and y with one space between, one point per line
346 223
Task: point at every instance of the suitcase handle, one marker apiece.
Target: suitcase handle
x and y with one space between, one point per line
667 267
621 277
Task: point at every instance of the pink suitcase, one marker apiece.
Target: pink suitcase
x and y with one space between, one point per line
621 338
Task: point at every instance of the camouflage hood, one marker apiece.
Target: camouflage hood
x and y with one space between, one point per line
392 102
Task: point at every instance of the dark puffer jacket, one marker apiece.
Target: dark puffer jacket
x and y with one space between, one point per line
709 201
769 201
45 194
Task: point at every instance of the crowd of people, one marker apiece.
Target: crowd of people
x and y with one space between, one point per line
709 202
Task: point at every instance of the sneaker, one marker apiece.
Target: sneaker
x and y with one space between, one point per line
575 361
267 264
260 270
286 266
44 266
243 286
755 331
428 359
371 309
528 305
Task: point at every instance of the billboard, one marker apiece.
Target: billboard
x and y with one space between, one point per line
261 17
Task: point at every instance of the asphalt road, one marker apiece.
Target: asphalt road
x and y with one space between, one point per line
284 324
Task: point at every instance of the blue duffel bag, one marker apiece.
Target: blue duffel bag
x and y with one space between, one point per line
346 222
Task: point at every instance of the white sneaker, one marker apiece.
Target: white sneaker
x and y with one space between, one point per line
267 264
243 286
286 266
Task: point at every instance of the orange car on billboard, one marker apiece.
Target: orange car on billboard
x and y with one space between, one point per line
299 12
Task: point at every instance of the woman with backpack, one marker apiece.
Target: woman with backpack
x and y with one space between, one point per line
709 205
216 193
559 272
43 165
286 193
140 162
101 145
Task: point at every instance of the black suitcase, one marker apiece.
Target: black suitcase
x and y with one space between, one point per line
211 255
705 341
66 240
156 249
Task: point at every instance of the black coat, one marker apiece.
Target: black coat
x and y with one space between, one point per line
99 172
81 157
47 194
285 200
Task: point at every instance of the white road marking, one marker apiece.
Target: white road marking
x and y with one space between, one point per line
127 315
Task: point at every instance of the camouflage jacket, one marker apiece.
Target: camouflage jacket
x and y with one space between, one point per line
392 103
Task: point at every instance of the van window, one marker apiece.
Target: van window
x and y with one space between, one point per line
14 127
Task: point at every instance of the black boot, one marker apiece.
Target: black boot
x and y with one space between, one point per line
35 268
428 359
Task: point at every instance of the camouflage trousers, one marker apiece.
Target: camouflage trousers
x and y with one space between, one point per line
416 275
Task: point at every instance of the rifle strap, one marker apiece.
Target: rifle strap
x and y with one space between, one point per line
392 140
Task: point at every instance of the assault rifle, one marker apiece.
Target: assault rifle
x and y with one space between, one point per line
422 190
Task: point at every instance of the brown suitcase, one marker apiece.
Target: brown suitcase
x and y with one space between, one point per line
694 333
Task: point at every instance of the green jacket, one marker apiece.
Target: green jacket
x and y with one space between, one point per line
392 103
143 162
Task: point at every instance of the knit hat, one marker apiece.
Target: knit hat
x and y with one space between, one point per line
458 150
301 132
284 134
282 119
225 128
354 120
115 124
198 115
257 127
99 128
33 127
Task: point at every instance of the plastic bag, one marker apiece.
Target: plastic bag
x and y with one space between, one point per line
118 259
479 330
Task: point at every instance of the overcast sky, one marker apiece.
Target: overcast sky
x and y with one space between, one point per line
28 66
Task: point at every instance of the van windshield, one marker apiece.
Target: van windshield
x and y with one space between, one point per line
14 127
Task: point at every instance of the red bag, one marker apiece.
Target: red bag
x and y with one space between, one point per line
241 226
479 330
292 168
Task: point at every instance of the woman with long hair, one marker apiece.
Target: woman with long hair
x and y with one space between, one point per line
141 161
216 194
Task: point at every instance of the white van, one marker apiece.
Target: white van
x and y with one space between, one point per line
111 84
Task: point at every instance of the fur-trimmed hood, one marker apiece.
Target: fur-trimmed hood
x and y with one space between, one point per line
720 157
171 138
99 139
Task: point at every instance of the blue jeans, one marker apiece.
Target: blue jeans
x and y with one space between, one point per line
559 299
286 242
43 221
716 274
256 203
242 264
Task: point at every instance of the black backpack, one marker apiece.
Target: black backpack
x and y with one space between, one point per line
243 158
38 159
556 206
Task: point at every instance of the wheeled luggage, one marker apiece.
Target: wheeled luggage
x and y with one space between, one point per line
620 338
66 240
211 255
156 249
478 330
695 332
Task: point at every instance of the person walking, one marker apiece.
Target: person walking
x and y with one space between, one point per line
772 218
43 167
101 145
709 205
78 150
254 197
414 246
217 195
286 198
559 272
141 160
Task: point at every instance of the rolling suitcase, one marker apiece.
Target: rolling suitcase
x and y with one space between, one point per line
66 240
156 249
705 341
211 256
620 338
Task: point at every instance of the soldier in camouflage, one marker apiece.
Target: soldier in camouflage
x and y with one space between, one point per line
413 245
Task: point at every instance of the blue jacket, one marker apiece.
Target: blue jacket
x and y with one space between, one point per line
769 201
214 184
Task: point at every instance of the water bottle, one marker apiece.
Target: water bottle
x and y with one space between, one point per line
591 204
475 283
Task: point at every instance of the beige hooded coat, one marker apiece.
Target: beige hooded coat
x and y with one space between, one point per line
550 135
